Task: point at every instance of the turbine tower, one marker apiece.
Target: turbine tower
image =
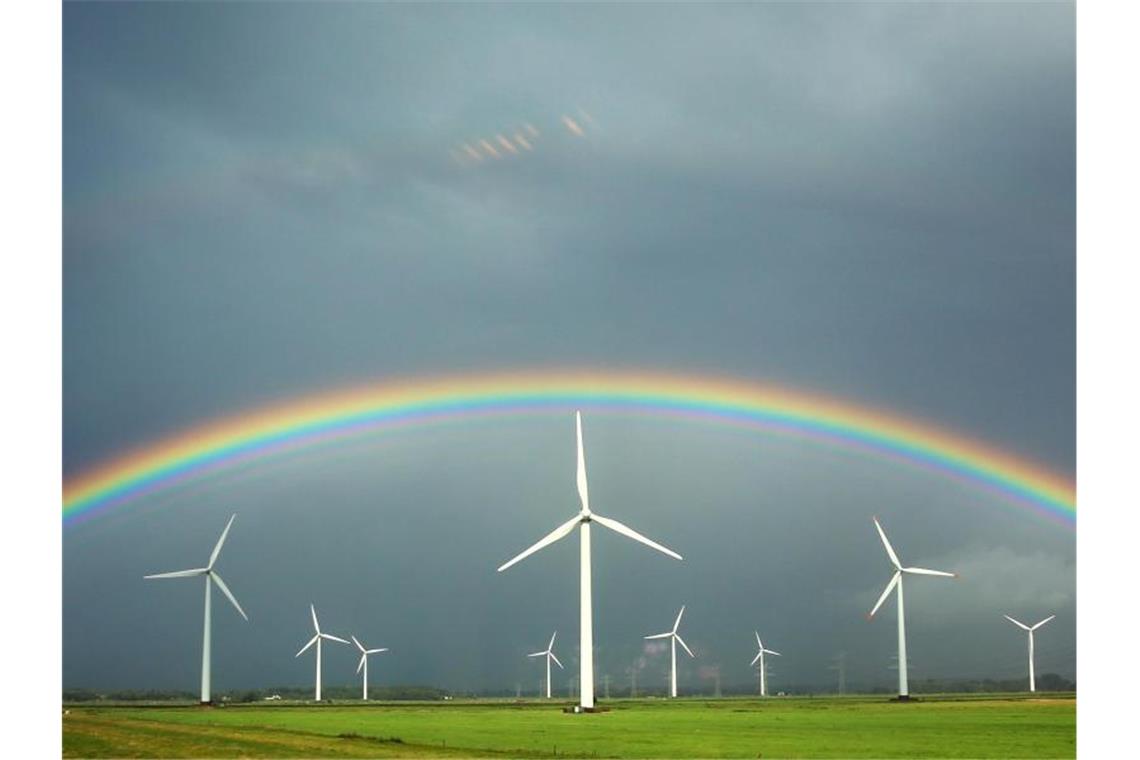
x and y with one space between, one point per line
1030 630
211 575
364 661
549 654
763 670
675 638
896 581
317 640
582 521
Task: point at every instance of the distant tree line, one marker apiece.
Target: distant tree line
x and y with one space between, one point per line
1045 683
380 693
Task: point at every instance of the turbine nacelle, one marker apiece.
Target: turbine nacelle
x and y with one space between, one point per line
899 570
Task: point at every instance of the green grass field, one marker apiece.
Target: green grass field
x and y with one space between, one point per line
976 726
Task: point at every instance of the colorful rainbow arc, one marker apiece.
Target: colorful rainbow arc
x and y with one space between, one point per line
313 420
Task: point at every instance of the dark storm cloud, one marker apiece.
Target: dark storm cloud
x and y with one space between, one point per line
870 200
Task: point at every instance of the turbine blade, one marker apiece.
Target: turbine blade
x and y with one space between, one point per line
1043 622
229 595
561 531
1018 623
890 551
555 658
772 651
583 491
759 643
551 644
180 573
330 637
924 571
890 587
660 635
316 625
222 540
376 651
754 659
625 530
311 642
538 654
677 622
681 641
358 644
361 665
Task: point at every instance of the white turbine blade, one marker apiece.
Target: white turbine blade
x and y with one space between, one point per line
677 622
555 658
376 651
180 573
358 644
759 643
625 530
538 654
772 651
311 642
1043 622
924 571
890 587
222 540
330 637
754 659
561 531
316 625
1018 623
583 491
890 550
229 595
551 644
681 641
361 665
660 635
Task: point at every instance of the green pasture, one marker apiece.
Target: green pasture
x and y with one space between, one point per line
974 726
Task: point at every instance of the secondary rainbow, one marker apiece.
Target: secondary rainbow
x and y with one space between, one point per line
244 439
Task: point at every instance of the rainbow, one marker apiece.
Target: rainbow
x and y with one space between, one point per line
310 421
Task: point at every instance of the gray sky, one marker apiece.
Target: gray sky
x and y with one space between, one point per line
264 201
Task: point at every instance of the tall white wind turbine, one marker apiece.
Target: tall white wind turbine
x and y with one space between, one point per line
364 661
582 521
317 640
760 658
211 575
548 653
1030 629
675 638
896 581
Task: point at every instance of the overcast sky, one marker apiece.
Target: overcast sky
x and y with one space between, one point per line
870 201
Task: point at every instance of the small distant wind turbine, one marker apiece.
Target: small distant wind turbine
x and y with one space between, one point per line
317 640
364 661
211 575
582 521
549 654
760 657
675 638
1030 630
896 581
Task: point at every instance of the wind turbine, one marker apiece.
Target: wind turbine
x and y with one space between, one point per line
763 671
317 640
675 638
211 575
582 521
1030 630
549 654
896 580
363 662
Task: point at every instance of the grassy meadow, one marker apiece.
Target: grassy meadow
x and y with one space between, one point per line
975 726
